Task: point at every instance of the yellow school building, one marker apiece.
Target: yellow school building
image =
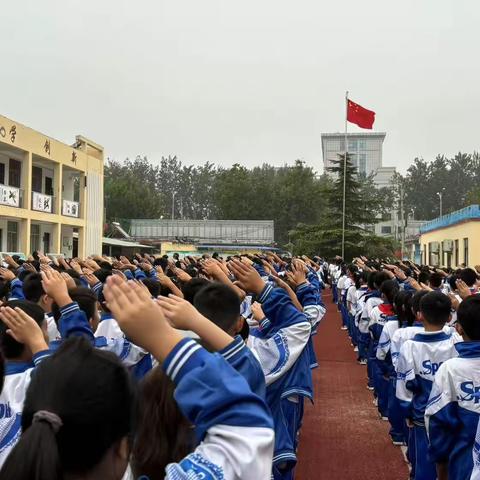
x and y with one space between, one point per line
452 240
51 193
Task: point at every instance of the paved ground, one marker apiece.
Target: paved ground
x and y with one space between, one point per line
342 436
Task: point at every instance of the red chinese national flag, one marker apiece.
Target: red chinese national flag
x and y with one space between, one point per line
360 116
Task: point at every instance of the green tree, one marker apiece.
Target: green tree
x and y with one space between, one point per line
325 238
130 190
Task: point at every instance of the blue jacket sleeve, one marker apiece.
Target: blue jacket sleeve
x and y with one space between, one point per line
74 322
234 424
139 274
278 308
241 358
16 290
210 392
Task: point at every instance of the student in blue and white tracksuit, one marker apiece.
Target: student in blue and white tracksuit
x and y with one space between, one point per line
418 362
382 315
280 344
452 414
19 366
357 305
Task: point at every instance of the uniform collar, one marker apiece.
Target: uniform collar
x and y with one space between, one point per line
431 336
468 349
11 368
106 316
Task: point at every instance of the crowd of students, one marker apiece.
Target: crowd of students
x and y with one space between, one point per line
155 367
417 330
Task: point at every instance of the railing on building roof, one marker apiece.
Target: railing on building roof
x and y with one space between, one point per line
468 213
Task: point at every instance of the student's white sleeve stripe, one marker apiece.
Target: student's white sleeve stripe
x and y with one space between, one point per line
230 354
178 355
184 359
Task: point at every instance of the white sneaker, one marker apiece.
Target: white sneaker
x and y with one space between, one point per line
355 349
362 362
343 328
370 388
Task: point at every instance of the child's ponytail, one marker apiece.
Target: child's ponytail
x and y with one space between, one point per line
36 454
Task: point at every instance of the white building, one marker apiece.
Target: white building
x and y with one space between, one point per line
366 151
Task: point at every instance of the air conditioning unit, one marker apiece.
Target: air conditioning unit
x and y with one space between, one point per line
434 259
447 245
434 247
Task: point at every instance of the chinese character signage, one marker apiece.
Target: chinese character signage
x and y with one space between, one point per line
9 196
41 202
70 209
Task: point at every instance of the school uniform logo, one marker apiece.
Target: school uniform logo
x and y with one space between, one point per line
430 368
471 392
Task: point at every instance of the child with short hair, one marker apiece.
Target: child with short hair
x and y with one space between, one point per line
418 363
453 411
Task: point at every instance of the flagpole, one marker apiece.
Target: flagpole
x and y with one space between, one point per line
344 176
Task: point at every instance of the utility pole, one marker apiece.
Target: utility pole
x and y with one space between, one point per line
173 205
402 216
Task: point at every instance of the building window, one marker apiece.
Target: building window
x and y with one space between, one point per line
362 166
34 237
14 173
362 144
465 251
457 259
12 236
352 145
386 230
2 173
37 179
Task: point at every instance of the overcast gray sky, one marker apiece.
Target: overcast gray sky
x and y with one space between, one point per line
247 81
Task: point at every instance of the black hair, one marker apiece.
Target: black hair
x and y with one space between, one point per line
191 288
389 289
153 285
417 297
452 281
4 289
468 316
379 278
103 274
105 265
10 347
32 287
164 435
371 281
403 308
220 304
92 392
469 276
424 277
436 308
86 299
436 280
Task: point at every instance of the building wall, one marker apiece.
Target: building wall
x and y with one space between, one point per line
365 149
468 230
84 159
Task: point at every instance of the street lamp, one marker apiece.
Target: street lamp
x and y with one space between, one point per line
173 205
440 196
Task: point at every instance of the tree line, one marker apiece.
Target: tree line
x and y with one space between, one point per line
306 207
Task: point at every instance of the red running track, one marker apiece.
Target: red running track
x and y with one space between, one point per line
342 436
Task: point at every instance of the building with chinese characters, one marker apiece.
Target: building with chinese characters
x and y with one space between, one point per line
51 193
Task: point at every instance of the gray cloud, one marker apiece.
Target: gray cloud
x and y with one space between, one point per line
252 81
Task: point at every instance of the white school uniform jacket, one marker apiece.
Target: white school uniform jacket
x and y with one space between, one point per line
385 341
370 304
476 456
452 414
418 362
400 337
17 380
